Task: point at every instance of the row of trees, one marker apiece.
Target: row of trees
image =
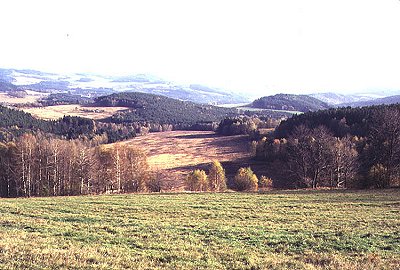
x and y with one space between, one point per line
245 125
313 157
36 165
316 158
244 180
198 180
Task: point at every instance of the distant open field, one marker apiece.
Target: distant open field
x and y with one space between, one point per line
270 110
31 97
58 111
175 153
278 230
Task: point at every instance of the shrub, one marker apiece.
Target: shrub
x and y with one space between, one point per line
378 176
246 180
216 177
265 182
197 181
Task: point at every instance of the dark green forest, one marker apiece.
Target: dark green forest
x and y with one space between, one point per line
302 103
14 123
149 108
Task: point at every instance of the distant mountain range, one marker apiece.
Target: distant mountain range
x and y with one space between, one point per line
379 101
357 100
93 85
86 86
337 99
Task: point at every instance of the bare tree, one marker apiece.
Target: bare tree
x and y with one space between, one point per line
25 152
310 155
384 141
321 145
299 155
345 162
7 181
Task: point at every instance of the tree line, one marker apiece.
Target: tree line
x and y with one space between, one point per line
245 125
39 165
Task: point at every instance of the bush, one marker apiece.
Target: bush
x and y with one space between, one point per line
216 177
378 176
265 182
197 181
154 184
245 180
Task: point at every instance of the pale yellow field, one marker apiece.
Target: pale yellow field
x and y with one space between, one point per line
58 111
30 98
174 154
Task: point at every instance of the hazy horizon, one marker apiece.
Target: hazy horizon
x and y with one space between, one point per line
255 47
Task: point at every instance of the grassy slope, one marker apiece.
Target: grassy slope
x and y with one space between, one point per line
280 230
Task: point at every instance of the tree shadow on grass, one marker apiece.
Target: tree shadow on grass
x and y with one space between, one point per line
197 136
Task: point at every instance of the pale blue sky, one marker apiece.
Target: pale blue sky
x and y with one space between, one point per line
251 46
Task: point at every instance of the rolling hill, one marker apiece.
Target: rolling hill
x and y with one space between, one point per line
160 109
289 102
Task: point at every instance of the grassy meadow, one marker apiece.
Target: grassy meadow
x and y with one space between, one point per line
275 230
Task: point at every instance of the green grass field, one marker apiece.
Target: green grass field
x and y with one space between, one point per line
277 230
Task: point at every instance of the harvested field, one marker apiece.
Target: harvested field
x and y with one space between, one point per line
58 111
175 153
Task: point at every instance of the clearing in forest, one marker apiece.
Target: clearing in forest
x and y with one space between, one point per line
176 153
58 111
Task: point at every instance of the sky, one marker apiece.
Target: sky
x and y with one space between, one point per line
261 47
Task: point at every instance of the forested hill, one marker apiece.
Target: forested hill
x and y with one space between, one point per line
340 121
289 102
10 118
7 87
161 109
